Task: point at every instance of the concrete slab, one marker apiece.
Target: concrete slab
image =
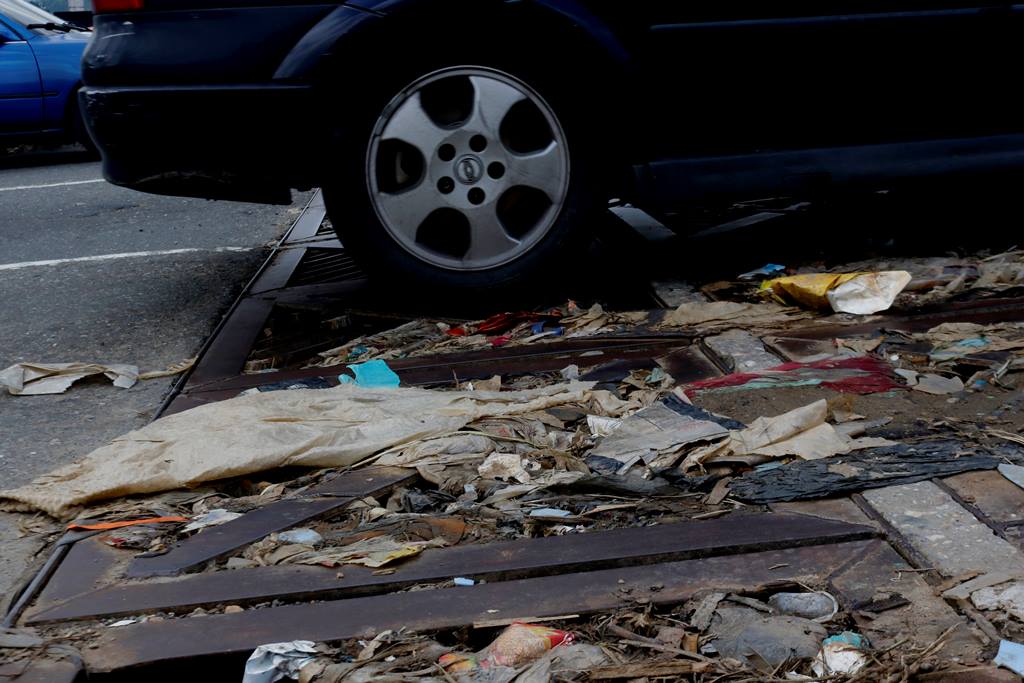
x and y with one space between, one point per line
741 351
951 539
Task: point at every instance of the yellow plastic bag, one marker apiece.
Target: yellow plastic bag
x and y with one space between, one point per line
858 293
809 290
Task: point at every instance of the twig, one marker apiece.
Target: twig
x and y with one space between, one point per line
626 633
447 676
671 650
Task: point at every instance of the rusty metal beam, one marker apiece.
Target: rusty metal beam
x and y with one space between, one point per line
983 311
41 670
192 639
87 565
320 500
422 370
490 562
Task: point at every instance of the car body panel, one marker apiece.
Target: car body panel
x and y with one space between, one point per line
225 46
21 93
705 97
60 66
210 141
38 74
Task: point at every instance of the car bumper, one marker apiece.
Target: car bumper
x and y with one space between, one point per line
242 142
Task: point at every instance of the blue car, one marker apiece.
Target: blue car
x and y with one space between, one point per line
40 72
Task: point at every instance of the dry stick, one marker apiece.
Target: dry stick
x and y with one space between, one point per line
671 650
757 678
447 676
631 638
979 619
866 670
935 645
626 633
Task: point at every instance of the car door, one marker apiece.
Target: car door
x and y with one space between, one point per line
725 77
21 96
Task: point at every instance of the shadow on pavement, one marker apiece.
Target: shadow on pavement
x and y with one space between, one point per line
26 156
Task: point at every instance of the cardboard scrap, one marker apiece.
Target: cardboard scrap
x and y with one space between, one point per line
34 379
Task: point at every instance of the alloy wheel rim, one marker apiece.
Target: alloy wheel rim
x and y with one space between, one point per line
467 168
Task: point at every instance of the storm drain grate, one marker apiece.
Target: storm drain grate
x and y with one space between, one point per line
320 266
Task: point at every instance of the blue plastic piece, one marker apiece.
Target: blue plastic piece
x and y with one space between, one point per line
372 374
849 638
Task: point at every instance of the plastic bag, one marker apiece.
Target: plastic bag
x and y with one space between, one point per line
858 293
517 645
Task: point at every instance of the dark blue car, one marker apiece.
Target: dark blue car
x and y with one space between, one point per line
40 72
474 143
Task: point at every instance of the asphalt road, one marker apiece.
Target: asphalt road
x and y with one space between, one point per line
97 273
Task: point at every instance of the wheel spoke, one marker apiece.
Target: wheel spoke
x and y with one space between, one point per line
492 100
410 124
405 211
541 170
488 239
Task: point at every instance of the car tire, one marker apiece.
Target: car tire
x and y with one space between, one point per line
459 173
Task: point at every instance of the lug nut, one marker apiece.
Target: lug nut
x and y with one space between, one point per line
445 185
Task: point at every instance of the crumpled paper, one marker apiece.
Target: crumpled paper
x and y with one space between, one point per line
306 427
277 661
34 379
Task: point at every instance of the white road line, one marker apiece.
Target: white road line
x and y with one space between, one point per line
39 187
112 257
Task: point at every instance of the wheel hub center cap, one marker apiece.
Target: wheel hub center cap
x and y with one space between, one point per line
469 169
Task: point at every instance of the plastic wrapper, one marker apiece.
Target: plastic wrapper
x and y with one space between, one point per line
858 293
517 645
841 654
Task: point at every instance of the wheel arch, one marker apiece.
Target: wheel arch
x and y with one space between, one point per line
337 47
71 108
345 32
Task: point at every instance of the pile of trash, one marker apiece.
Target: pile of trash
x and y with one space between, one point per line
517 457
793 636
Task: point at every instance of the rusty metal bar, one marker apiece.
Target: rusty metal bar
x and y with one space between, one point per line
320 500
192 639
490 562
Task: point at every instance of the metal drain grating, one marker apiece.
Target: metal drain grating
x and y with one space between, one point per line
320 266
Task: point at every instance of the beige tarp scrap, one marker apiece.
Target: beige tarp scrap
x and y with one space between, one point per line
313 427
33 379
802 432
725 314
